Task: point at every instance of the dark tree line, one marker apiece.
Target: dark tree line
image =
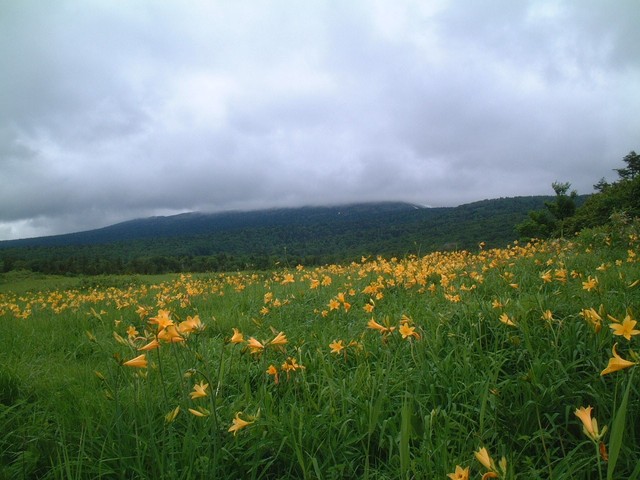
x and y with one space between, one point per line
288 242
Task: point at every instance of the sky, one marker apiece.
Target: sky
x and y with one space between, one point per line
111 111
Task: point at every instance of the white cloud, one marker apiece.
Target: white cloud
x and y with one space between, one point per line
111 111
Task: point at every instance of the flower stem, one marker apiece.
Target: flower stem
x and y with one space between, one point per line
599 460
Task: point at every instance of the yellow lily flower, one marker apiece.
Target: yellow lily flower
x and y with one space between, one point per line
592 317
152 345
488 475
334 304
624 329
291 365
589 425
139 362
237 337
272 370
484 458
254 345
199 412
504 318
163 319
171 334
280 339
590 284
459 474
199 390
238 424
495 303
616 363
406 331
288 278
336 346
171 416
376 326
191 324
546 276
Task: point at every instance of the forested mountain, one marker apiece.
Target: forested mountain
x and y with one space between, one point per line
262 239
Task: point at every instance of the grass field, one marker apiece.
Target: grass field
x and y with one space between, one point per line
452 365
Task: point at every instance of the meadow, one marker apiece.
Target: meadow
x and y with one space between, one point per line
518 362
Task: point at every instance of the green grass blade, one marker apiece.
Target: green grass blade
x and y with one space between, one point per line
617 431
405 433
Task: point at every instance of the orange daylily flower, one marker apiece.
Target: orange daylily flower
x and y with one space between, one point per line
625 328
190 325
459 474
139 362
484 458
291 365
163 319
238 424
171 334
590 284
280 339
589 425
199 390
171 416
288 278
592 317
152 345
272 370
336 346
382 329
504 318
406 331
199 412
237 337
143 311
254 345
616 363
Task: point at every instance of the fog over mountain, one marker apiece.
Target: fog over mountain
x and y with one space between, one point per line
117 110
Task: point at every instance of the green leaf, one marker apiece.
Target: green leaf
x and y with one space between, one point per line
617 431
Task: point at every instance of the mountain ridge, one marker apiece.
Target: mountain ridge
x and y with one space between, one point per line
262 239
223 219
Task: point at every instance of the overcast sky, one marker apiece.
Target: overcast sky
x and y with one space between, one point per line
113 110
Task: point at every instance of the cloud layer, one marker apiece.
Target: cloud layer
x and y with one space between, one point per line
110 111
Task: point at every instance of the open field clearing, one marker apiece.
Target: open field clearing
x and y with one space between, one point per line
505 363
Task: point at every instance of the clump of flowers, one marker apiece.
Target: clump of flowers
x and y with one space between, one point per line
593 317
494 471
406 328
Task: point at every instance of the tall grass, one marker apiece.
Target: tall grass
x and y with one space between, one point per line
383 406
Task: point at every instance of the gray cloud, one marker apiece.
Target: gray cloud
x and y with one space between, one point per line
110 111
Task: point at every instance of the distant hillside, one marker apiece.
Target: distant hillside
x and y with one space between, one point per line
196 223
260 239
